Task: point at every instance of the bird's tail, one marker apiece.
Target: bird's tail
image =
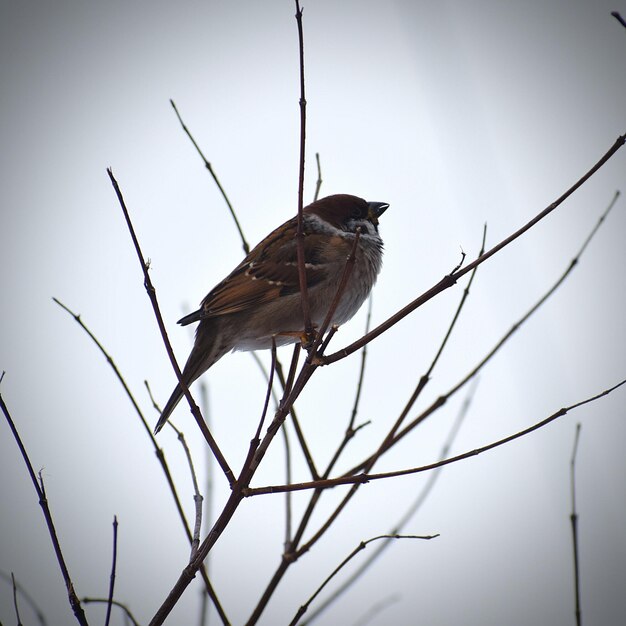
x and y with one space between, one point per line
205 353
171 404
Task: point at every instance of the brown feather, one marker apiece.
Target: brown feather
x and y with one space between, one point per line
259 278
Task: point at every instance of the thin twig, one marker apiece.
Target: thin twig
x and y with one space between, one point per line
574 522
286 385
111 362
112 578
308 457
365 478
383 446
374 610
268 393
315 352
351 430
303 379
354 552
265 373
304 296
197 496
441 400
41 618
619 18
77 609
291 375
124 608
17 610
408 515
343 283
158 451
244 243
318 184
281 377
348 435
232 504
208 500
448 281
168 347
359 385
423 381
241 487
288 509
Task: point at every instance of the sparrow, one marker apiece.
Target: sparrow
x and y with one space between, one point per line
259 303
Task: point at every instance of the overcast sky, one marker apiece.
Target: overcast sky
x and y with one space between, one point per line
455 113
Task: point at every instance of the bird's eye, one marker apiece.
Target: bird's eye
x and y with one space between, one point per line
356 213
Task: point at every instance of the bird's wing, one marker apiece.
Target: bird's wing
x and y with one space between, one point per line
269 272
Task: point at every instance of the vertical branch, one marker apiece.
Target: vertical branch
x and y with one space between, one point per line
112 580
304 296
281 377
287 542
574 520
17 610
208 500
268 394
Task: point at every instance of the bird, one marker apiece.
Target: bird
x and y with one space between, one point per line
258 304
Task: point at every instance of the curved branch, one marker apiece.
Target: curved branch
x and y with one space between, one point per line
447 281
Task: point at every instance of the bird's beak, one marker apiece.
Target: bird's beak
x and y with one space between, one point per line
375 210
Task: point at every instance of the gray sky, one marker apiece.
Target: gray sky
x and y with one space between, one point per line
456 114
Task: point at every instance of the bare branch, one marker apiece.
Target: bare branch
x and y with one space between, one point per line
157 312
318 184
343 283
351 430
77 609
281 377
112 580
619 18
385 443
197 496
124 608
268 393
41 618
361 546
209 167
304 296
574 522
448 281
17 610
158 451
374 610
441 400
113 365
208 504
412 510
365 478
